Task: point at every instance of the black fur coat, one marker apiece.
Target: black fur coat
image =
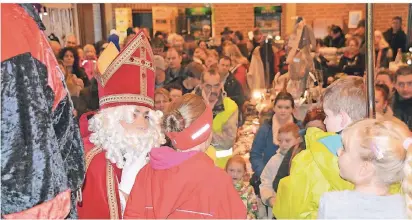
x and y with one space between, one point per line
41 147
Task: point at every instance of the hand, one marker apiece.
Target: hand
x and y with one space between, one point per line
272 201
206 96
130 171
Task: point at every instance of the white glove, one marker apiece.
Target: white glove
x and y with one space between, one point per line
130 171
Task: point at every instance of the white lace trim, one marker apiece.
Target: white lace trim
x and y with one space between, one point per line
126 98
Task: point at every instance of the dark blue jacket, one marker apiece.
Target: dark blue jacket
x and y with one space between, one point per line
263 148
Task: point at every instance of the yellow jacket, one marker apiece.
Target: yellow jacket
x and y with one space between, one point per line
314 171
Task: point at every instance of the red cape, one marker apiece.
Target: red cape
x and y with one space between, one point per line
191 188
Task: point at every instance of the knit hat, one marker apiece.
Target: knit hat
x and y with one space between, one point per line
159 62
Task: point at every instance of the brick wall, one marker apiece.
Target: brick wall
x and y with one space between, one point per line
240 16
236 16
383 13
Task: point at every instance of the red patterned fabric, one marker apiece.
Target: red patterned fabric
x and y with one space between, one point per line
130 78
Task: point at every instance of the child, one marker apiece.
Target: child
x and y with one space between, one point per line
288 138
89 62
315 170
375 155
314 119
236 168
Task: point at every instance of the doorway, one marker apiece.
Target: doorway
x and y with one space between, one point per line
143 19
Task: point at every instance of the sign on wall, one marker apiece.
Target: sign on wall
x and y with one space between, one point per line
124 20
164 19
268 19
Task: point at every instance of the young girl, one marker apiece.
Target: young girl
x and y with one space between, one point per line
376 155
382 100
289 137
236 168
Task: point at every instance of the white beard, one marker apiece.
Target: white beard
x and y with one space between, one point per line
121 147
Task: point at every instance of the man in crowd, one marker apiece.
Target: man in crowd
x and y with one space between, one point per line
160 67
402 99
42 166
193 73
122 133
71 41
225 114
174 63
396 37
232 87
206 33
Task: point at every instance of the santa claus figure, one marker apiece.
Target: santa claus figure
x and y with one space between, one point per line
118 138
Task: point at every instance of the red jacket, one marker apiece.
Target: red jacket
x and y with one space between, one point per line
180 185
240 75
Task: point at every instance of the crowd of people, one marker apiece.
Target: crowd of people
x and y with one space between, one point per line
152 135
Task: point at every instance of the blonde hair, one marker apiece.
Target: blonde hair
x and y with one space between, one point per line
212 52
382 43
381 142
164 92
235 55
89 47
347 95
182 112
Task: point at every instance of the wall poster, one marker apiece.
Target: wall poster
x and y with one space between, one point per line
268 19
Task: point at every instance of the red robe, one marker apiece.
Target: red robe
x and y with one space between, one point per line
181 185
100 194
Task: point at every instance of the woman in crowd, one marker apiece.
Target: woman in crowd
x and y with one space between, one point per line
200 55
266 141
177 181
239 64
375 157
71 63
352 62
162 99
382 100
383 51
212 58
